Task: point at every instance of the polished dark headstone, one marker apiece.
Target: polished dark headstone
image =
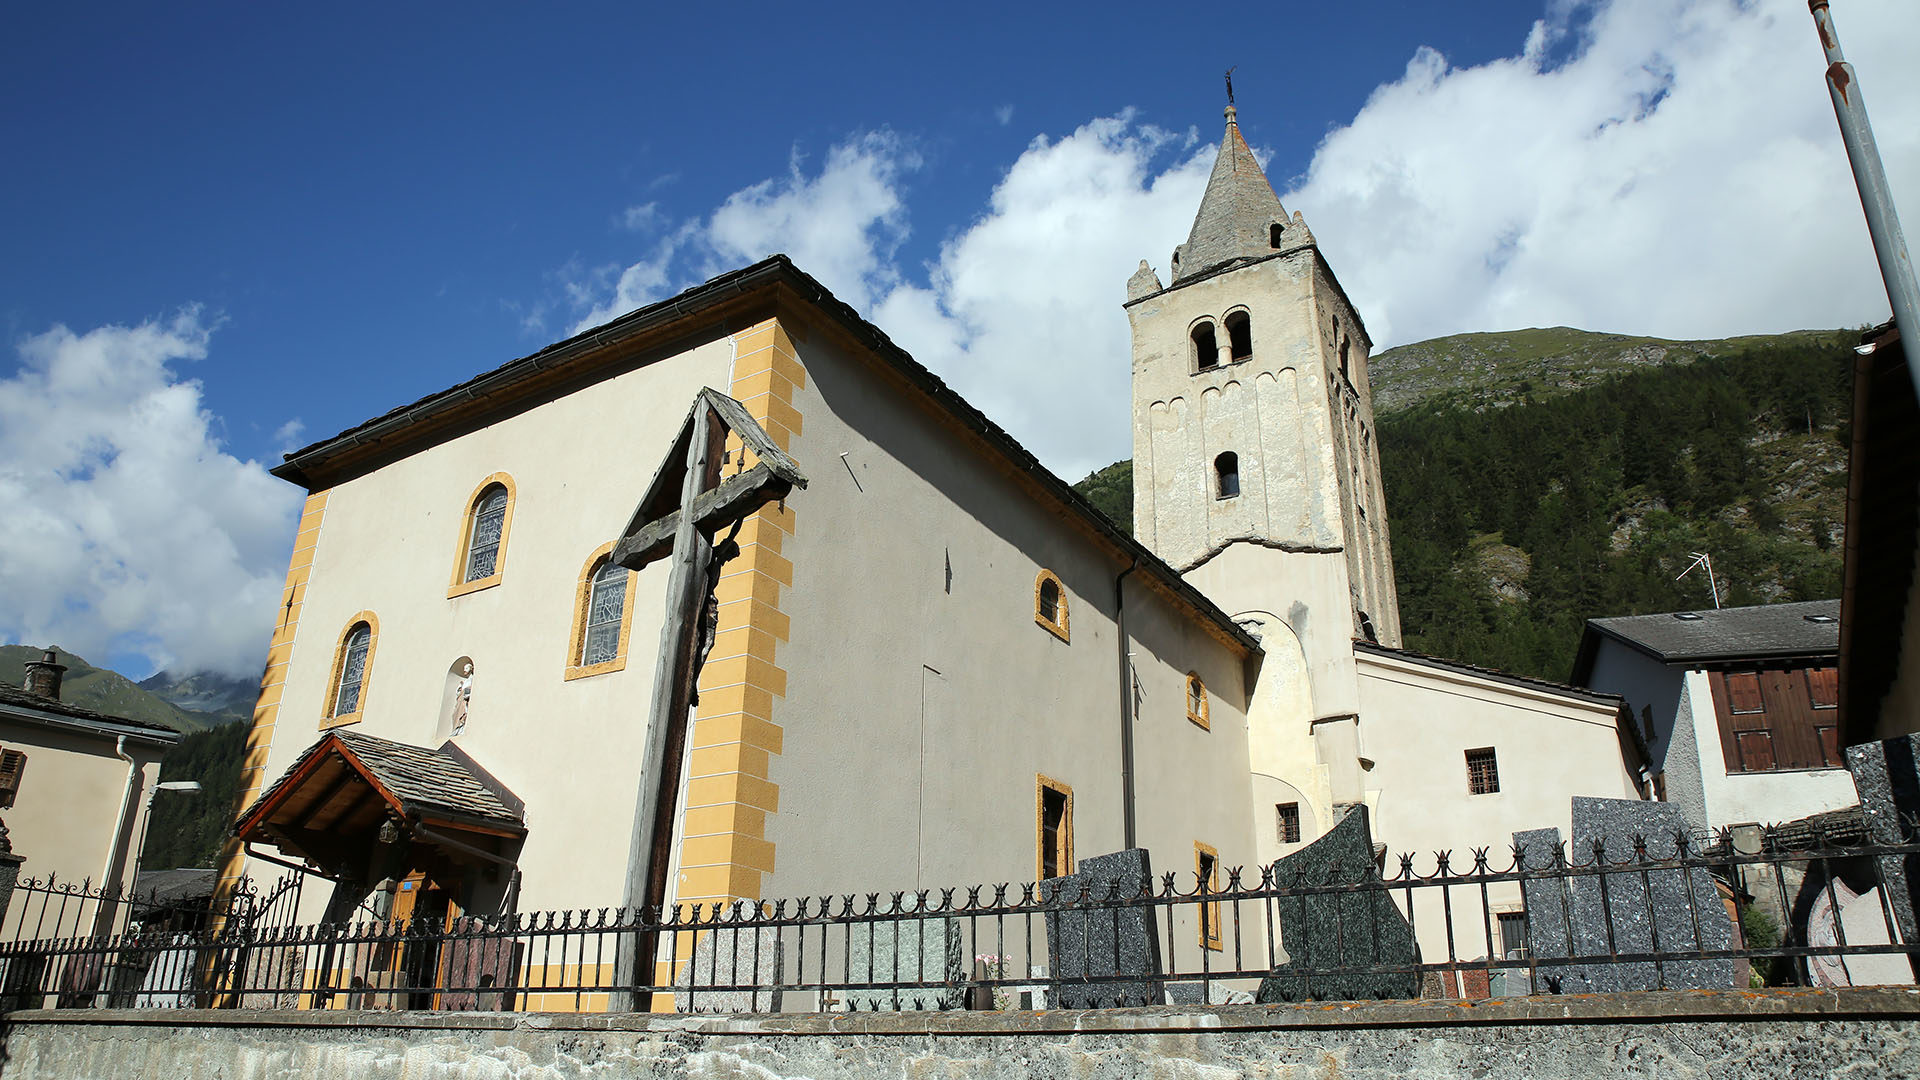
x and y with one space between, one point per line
1339 930
1631 910
1887 776
1086 940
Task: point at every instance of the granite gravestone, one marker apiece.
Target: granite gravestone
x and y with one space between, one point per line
746 956
1549 933
1630 910
1088 940
1322 931
1886 774
911 950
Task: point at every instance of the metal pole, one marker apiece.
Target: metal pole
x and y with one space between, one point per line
1876 198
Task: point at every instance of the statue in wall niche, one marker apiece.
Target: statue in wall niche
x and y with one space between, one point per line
462 696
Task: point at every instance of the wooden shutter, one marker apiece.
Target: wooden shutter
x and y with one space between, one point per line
1823 687
1743 692
1830 747
1756 751
12 764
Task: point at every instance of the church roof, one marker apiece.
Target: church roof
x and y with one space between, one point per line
1236 214
608 349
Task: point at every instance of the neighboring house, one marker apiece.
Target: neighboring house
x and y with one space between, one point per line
74 784
932 665
1739 707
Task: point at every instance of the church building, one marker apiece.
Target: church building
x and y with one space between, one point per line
925 662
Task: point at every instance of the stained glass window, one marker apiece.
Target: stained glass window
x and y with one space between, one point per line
483 545
353 670
606 602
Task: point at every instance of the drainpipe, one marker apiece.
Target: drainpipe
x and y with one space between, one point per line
1126 707
1876 197
117 850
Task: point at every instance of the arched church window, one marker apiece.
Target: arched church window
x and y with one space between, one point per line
1197 700
1206 348
483 543
603 613
352 659
1273 235
1239 336
1050 604
1226 475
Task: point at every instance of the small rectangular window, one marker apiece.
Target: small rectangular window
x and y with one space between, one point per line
1483 773
1207 865
1513 934
1823 687
1056 829
1289 816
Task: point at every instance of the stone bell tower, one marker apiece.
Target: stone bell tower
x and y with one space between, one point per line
1255 470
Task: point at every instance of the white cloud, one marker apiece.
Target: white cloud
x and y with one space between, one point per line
1679 173
1648 166
128 528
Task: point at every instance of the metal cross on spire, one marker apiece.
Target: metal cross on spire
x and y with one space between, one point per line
1230 72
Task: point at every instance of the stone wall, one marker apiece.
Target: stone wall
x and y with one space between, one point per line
1859 1033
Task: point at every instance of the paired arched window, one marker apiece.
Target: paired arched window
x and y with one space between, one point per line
1050 604
483 540
1239 336
1197 701
1206 346
603 613
1226 475
352 663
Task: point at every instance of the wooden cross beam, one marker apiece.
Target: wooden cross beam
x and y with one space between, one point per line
663 526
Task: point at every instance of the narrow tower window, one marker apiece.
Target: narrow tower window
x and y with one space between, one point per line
1055 820
1226 472
1273 235
1050 604
1206 350
1239 336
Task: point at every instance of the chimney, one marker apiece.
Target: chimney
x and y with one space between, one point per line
43 676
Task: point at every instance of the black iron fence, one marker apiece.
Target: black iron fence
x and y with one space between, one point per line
1770 907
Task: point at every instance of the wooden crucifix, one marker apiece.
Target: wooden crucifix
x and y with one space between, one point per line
685 507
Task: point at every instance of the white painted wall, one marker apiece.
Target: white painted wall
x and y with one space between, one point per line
1418 722
1767 797
919 712
388 542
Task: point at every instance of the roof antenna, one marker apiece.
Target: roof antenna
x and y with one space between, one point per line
1702 558
1230 72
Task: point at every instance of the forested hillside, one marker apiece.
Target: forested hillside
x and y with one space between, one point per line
1585 493
187 830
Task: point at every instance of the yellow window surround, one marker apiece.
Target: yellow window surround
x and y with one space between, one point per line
1206 866
583 599
1052 615
1197 701
330 719
1063 854
458 585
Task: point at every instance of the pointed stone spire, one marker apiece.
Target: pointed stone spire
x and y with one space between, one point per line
1238 214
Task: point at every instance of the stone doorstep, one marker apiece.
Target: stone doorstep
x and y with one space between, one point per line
1644 1005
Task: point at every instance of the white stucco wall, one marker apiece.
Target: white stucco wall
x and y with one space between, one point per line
1418 722
922 697
388 543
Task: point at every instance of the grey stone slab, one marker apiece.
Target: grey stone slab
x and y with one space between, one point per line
1631 910
1088 940
912 950
1886 775
1548 904
1339 930
743 956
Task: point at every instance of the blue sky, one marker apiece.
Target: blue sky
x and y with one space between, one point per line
234 229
